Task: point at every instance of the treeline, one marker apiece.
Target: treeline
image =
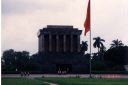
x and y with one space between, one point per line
112 59
19 61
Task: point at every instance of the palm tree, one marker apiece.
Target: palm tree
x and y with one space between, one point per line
102 49
116 43
98 43
84 46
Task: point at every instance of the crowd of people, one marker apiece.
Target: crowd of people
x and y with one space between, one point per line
24 74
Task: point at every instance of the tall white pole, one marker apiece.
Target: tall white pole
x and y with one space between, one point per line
90 66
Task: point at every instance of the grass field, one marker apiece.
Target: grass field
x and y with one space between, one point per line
83 81
21 81
63 81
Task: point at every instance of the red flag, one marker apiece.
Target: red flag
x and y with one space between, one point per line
87 21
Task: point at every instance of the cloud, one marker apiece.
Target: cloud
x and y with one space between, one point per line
25 6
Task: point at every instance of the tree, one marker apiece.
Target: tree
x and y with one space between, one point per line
35 62
98 60
84 46
8 56
98 43
116 43
15 61
98 65
22 60
102 51
116 58
9 60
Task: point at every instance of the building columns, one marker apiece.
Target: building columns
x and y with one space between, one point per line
43 48
71 43
78 43
57 43
50 42
64 44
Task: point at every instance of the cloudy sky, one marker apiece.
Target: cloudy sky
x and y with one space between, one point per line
21 20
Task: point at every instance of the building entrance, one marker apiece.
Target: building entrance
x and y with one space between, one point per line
63 68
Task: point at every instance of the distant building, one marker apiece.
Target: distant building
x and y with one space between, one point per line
60 50
59 39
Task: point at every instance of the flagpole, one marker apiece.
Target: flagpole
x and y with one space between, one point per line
90 66
87 26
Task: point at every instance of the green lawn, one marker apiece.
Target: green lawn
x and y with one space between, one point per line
85 81
21 81
63 81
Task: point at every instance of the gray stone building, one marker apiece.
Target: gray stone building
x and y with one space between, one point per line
59 47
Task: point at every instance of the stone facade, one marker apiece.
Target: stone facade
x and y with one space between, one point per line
59 47
59 39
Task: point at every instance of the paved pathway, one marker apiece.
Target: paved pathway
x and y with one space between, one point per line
71 75
50 83
44 81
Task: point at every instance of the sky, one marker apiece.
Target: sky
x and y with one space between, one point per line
22 19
